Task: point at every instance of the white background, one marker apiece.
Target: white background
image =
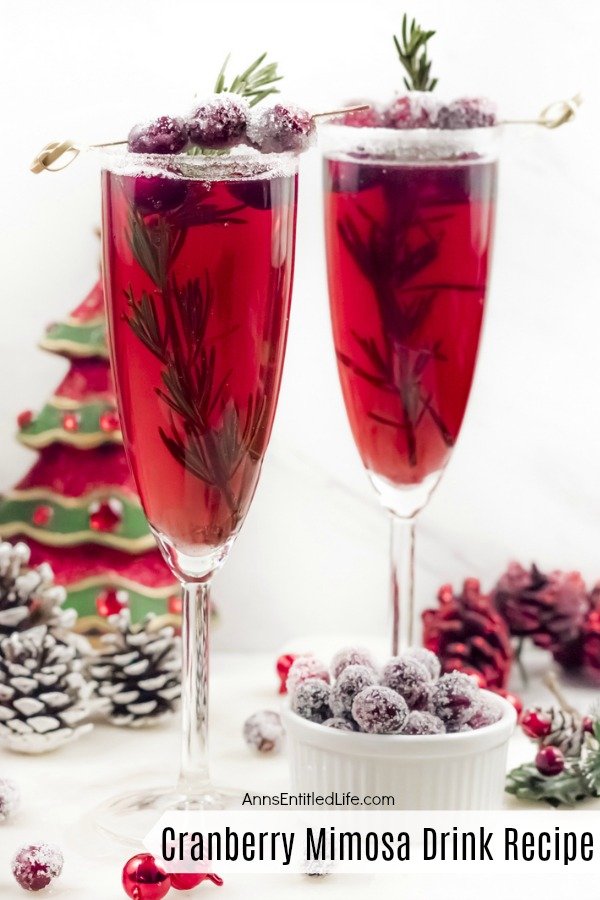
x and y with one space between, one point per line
525 478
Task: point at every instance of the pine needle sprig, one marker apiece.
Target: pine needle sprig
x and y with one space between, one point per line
255 83
412 51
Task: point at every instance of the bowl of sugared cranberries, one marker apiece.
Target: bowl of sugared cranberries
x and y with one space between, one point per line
402 729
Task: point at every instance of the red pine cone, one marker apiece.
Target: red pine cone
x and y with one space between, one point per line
549 609
468 634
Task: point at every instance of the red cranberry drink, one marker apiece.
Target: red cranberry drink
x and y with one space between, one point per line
199 220
410 190
408 249
199 275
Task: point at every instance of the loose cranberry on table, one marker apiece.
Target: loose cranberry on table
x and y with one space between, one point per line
535 724
35 866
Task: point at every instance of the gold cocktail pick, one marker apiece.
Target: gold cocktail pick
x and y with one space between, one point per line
68 151
552 116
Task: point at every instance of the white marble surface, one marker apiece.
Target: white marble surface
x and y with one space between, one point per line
525 477
59 791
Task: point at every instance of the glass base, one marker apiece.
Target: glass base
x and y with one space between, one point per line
129 817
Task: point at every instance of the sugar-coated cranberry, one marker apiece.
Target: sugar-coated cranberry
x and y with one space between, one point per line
351 680
550 761
485 712
414 110
263 731
351 656
419 722
536 724
371 117
467 112
454 698
379 710
219 122
588 724
35 866
410 679
310 699
339 724
428 659
306 666
279 128
167 134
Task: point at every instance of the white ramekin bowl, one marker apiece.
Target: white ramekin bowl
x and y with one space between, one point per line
440 771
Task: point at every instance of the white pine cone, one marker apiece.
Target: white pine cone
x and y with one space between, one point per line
138 672
566 733
29 596
44 696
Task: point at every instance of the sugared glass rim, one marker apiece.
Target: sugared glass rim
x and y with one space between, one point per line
416 146
241 163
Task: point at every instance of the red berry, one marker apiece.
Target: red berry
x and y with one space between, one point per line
143 879
42 515
588 724
535 724
550 761
25 418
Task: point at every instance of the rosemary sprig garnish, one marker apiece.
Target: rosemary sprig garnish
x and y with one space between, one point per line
390 255
412 51
254 83
208 433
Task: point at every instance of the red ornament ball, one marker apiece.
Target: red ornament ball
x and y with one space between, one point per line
106 515
535 724
25 418
185 881
70 422
109 421
110 602
283 666
42 516
550 761
143 879
36 865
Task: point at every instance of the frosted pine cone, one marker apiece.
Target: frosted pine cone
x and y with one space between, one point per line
138 671
43 694
28 596
550 609
562 729
468 634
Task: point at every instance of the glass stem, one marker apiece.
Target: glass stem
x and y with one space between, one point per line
402 552
194 776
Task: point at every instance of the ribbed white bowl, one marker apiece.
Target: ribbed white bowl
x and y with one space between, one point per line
440 771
